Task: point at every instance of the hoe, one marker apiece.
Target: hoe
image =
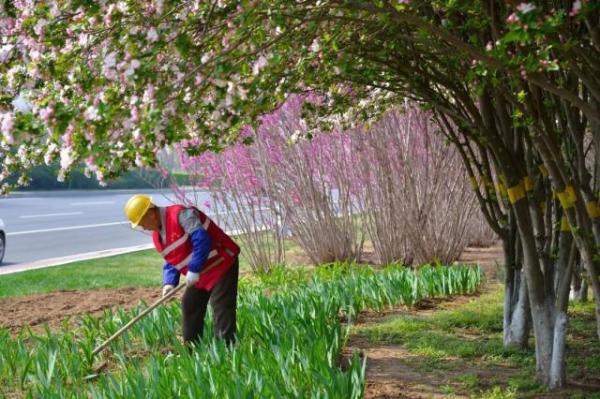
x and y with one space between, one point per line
127 326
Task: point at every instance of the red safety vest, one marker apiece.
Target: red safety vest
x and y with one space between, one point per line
177 248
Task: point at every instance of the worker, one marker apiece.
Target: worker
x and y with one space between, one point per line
193 245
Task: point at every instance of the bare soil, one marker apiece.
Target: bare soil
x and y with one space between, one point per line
53 308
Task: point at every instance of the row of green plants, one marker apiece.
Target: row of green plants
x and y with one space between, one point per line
289 344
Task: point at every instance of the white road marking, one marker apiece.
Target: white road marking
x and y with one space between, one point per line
85 226
50 214
92 203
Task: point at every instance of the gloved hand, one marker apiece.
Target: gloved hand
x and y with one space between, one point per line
191 278
167 288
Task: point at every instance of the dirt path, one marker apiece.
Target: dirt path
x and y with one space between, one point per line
394 372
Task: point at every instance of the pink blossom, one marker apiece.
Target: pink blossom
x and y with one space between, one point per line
7 123
513 18
523 73
68 136
148 94
39 27
133 65
46 113
108 15
135 115
54 10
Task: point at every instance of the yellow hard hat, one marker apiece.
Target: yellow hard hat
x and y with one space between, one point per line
136 207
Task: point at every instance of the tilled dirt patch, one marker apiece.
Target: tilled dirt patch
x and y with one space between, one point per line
53 308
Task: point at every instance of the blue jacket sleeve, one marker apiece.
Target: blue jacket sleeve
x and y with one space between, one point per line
201 243
170 275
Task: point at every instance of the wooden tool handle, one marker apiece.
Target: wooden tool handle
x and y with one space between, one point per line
137 318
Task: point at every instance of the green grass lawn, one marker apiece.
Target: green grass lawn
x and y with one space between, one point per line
464 344
135 269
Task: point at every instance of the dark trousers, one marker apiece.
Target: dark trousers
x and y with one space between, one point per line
223 299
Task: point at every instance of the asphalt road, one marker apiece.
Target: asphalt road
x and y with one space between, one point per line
45 225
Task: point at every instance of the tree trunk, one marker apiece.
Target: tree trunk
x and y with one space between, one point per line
517 314
579 286
541 306
587 257
557 369
561 318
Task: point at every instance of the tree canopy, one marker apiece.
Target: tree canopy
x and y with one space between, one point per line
514 85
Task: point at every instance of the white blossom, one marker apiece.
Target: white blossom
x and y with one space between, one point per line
315 47
49 156
136 134
91 113
158 5
66 158
260 63
122 6
139 162
152 35
6 52
110 61
39 27
526 7
148 94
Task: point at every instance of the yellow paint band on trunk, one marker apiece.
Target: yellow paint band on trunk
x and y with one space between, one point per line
567 197
516 193
564 224
528 182
474 183
593 209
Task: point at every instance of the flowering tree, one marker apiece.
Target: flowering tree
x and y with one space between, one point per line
397 181
415 197
515 85
275 185
238 187
310 182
